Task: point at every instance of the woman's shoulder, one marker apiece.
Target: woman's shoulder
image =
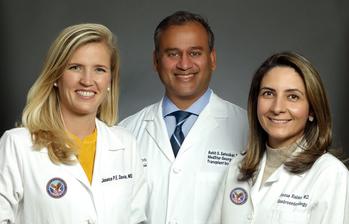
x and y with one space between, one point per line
15 141
329 161
17 133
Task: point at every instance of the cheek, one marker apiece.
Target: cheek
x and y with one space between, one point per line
67 80
261 110
104 82
166 64
300 112
262 107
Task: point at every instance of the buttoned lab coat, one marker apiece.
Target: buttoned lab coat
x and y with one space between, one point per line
117 193
318 196
183 189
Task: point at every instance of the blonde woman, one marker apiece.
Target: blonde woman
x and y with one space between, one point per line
67 164
287 174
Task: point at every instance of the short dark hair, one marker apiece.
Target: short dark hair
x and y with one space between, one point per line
180 18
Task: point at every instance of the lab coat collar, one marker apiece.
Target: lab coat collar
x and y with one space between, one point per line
279 171
106 141
207 122
257 191
216 108
152 113
156 128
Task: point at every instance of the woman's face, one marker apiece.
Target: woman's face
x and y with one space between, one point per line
282 107
85 81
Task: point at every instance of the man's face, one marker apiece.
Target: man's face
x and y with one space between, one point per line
184 62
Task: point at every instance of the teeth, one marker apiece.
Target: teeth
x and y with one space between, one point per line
279 121
85 93
190 74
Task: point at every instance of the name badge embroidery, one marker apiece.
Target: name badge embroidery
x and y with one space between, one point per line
238 196
294 200
117 177
56 187
216 157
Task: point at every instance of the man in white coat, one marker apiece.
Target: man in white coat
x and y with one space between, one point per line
188 139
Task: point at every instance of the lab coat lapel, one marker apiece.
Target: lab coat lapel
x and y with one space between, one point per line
78 173
106 144
205 124
255 189
74 169
156 128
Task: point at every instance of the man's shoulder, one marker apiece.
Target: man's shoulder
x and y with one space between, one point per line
149 111
219 103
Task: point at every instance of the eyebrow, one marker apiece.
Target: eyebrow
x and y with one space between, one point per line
97 65
287 90
171 49
100 65
197 48
177 49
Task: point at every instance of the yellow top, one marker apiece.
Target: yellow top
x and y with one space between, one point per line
86 153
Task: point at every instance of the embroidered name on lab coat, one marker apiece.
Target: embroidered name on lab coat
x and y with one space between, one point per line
293 200
216 157
117 177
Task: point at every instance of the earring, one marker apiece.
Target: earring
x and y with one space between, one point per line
311 118
55 84
108 89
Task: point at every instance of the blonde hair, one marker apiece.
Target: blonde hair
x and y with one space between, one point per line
317 134
41 114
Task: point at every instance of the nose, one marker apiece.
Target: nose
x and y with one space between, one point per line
184 62
279 105
86 77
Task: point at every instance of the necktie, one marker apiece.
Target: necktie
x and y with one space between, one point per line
177 137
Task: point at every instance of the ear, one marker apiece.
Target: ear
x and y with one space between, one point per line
213 59
155 60
311 117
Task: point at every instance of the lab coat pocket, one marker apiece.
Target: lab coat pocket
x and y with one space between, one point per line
290 217
205 193
116 199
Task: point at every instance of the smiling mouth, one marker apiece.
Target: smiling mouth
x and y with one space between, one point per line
279 121
184 74
85 93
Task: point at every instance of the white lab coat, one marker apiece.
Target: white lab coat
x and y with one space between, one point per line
183 189
318 196
25 174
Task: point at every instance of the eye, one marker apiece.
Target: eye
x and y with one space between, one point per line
74 67
293 97
172 54
195 53
101 70
267 93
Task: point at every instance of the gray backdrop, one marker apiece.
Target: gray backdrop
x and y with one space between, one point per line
246 33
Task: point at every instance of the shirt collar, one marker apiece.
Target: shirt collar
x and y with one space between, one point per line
169 107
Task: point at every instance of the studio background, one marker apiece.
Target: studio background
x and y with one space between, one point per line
246 32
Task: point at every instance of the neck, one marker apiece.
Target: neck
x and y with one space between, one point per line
185 102
80 126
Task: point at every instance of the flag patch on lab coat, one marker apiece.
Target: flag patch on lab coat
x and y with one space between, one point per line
238 196
56 187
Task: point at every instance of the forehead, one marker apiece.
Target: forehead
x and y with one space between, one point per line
93 50
283 78
190 34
